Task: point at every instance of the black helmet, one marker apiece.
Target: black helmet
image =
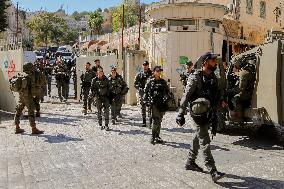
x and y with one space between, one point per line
200 111
28 67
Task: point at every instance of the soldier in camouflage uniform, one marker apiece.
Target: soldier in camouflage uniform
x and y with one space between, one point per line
118 88
202 89
97 66
100 90
244 90
74 78
155 90
60 72
139 83
86 79
48 74
189 70
39 83
26 100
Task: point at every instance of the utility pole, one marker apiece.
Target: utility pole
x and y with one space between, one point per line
17 20
140 20
122 33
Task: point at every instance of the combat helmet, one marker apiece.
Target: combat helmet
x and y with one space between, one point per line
200 111
28 67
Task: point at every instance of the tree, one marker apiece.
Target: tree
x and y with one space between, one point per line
95 22
70 36
47 27
130 16
99 10
3 15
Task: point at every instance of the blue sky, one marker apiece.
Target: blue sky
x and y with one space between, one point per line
72 5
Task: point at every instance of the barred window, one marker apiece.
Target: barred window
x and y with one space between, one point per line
181 22
262 9
249 6
212 23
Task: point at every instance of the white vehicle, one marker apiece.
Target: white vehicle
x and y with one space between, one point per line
39 55
66 56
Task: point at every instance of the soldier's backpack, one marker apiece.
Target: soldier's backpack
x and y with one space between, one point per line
16 82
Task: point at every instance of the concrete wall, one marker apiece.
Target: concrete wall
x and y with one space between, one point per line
106 62
133 65
11 62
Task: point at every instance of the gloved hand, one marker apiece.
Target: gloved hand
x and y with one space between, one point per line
180 120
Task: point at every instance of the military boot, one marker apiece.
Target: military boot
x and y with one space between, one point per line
193 167
144 122
107 127
113 121
37 114
36 131
84 112
18 130
216 175
159 140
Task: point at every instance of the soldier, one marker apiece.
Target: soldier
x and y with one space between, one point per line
139 83
39 83
74 78
86 79
244 90
48 75
189 70
60 72
156 90
118 88
100 90
202 94
26 95
97 66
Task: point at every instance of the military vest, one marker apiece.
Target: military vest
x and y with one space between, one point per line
100 86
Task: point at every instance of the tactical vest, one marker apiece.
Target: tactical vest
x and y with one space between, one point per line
101 86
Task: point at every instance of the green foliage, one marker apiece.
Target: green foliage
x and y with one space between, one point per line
78 16
3 15
47 27
70 37
131 12
95 22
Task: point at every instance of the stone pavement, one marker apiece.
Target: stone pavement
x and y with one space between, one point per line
75 153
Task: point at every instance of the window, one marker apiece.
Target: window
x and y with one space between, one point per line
262 9
212 23
181 22
249 7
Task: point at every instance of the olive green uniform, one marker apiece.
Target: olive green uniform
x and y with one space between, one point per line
39 83
155 91
48 73
139 83
60 72
86 79
100 90
74 78
118 88
200 85
26 100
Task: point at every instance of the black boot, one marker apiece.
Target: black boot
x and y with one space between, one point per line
107 127
193 167
144 122
159 140
216 175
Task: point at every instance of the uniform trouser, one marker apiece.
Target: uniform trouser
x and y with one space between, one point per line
103 103
75 87
86 98
67 88
61 86
157 117
115 108
142 104
202 138
28 102
36 101
49 79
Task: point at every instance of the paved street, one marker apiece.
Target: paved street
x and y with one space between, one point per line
75 153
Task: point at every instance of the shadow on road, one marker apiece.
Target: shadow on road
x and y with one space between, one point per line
179 130
130 132
176 145
258 143
59 138
59 121
250 182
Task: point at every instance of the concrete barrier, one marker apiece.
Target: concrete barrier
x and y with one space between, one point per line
11 63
